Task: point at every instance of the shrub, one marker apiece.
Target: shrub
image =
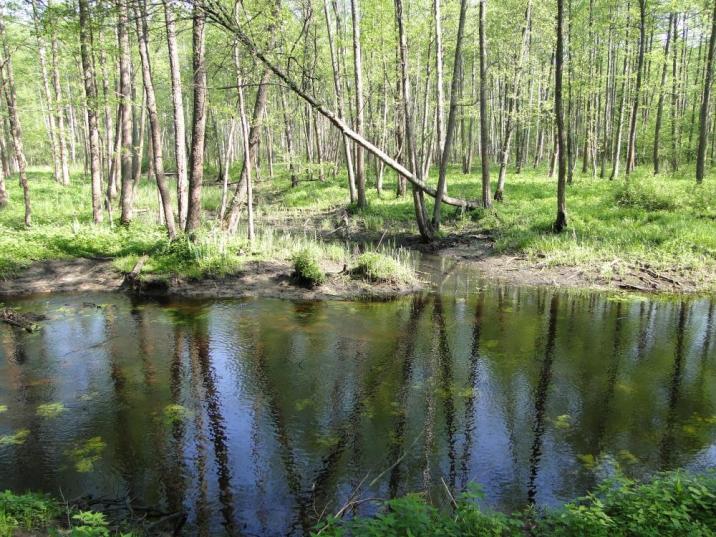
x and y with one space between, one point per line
644 195
306 267
378 267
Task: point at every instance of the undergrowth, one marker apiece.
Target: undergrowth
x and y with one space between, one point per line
671 504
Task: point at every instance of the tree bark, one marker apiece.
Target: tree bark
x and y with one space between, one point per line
660 105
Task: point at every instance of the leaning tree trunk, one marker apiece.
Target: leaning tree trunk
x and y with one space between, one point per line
154 126
561 221
7 81
90 83
704 115
196 165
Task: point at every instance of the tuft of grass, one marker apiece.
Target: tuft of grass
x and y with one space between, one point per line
379 267
307 269
31 511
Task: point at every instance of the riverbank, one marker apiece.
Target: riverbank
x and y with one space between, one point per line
651 235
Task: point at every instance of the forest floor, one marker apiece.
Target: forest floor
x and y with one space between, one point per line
650 234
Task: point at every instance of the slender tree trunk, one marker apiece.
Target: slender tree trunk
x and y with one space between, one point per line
452 113
61 135
196 164
358 72
154 126
178 109
125 121
424 227
705 102
660 105
340 104
7 81
247 152
90 83
512 100
440 82
561 221
4 197
631 144
484 155
51 119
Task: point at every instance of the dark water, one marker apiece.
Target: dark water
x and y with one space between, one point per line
255 416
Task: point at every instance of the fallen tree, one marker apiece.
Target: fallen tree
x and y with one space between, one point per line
219 15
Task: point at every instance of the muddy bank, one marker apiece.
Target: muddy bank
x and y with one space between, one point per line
267 279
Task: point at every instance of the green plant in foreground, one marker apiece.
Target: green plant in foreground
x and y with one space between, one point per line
25 511
671 504
307 269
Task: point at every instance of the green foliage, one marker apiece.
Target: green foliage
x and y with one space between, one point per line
647 195
307 269
25 511
378 267
674 503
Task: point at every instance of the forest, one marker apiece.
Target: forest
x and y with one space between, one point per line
387 267
431 119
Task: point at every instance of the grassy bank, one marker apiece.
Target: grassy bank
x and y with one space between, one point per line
671 504
62 229
666 222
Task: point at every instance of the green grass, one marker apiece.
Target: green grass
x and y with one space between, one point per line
379 267
307 268
671 504
665 221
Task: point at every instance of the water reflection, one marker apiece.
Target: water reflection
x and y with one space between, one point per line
257 417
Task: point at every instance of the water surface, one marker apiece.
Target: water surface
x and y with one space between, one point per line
255 416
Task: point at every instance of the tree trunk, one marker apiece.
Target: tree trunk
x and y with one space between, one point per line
512 100
631 144
125 120
154 127
196 164
561 221
340 104
484 155
444 150
61 136
7 81
358 71
178 109
660 105
704 115
90 83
